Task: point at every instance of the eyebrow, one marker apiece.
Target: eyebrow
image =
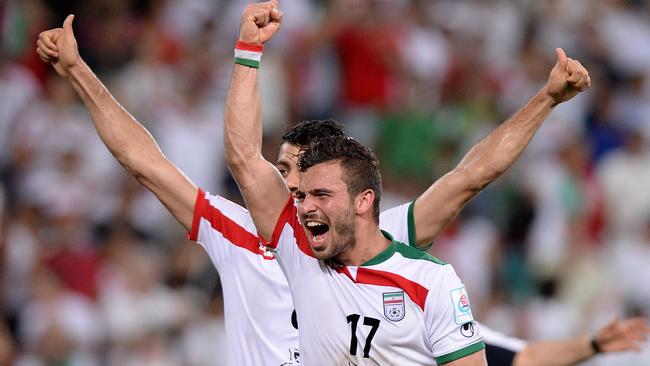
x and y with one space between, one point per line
320 190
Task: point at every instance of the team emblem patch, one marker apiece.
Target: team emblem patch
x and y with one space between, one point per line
462 309
394 309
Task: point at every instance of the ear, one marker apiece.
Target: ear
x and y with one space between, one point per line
364 201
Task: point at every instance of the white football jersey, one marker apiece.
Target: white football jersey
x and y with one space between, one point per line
258 308
259 313
403 307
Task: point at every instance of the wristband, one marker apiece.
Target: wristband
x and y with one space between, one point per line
248 54
594 345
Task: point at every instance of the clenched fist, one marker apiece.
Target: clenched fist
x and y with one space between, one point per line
259 22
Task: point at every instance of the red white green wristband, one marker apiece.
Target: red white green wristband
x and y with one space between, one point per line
248 54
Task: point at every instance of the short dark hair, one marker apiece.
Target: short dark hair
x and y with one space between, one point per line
360 165
307 132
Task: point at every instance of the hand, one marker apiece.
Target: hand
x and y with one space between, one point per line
567 78
260 22
59 47
625 336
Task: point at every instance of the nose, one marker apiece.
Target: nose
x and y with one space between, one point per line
308 205
292 179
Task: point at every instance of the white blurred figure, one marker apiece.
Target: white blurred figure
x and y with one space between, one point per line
54 170
498 25
204 338
131 288
632 105
626 34
188 129
146 81
548 317
20 256
57 325
425 53
18 87
625 178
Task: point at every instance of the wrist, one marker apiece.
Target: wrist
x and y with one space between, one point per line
248 54
595 345
75 69
547 98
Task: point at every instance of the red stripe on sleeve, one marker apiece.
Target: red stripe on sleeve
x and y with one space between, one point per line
232 231
249 46
193 235
414 290
289 216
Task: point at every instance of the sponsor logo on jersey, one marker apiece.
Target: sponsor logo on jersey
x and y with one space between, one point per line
394 308
265 252
467 330
462 308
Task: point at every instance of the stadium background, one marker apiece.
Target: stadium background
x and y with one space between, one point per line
95 272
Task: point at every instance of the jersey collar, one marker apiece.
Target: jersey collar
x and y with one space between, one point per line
386 254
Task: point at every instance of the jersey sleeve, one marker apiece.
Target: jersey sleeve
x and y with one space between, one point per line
221 227
452 331
289 241
399 221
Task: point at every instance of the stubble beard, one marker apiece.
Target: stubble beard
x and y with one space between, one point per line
344 237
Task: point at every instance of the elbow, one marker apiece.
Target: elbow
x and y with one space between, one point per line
236 161
478 177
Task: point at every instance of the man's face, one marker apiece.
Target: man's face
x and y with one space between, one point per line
326 210
287 164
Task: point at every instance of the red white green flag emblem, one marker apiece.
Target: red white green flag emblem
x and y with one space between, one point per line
394 309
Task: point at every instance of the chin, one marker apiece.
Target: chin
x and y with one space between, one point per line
322 254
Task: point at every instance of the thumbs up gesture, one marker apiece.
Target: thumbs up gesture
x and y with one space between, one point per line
58 46
567 78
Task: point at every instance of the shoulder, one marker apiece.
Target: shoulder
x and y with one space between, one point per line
411 253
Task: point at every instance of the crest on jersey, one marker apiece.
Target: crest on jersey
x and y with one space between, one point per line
462 309
394 309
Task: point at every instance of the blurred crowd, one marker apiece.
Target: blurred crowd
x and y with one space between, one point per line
94 271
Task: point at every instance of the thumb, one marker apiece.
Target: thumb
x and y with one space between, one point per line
562 60
67 25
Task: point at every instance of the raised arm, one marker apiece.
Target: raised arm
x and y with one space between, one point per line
493 155
613 337
127 140
260 183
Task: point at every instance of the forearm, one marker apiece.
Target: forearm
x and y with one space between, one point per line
243 125
125 138
493 155
134 147
557 353
261 185
486 161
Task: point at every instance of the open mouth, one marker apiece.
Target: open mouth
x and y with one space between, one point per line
318 230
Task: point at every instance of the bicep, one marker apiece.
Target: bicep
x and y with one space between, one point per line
439 205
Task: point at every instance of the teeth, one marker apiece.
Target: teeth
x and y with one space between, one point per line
314 224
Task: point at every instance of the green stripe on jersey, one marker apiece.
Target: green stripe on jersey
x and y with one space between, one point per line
413 240
410 218
415 253
405 250
460 353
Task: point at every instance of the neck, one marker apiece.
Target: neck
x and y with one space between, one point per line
369 243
